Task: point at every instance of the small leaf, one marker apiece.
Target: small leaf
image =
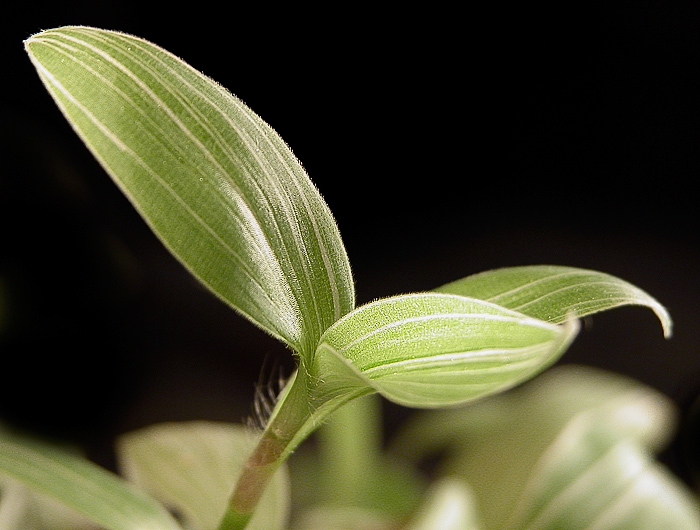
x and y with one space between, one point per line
431 350
551 292
79 484
215 183
192 467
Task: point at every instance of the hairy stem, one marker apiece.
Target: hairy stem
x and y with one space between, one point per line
297 414
275 444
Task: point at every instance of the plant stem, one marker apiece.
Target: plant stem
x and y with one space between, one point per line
349 446
291 413
296 415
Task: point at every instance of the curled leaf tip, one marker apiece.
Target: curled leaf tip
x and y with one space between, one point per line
550 292
666 322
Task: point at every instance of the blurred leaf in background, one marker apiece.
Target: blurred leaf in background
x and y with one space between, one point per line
573 449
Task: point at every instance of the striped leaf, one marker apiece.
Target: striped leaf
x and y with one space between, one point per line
552 292
81 485
217 185
431 350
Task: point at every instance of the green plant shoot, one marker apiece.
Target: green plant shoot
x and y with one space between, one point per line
227 197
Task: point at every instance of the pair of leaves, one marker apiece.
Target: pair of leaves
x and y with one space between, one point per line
437 349
230 200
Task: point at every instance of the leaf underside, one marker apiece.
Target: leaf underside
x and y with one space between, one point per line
430 349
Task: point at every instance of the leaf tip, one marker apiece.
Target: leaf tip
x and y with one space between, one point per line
666 321
29 41
32 43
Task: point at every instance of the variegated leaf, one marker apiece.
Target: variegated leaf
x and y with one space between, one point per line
550 292
430 350
216 184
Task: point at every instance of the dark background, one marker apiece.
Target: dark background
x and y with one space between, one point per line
445 141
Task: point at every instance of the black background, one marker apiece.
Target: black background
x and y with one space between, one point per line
446 141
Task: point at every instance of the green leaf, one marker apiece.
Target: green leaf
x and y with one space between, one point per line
552 293
215 183
431 350
192 467
79 484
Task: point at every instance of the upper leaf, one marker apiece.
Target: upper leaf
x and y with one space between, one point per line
552 293
431 350
217 185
